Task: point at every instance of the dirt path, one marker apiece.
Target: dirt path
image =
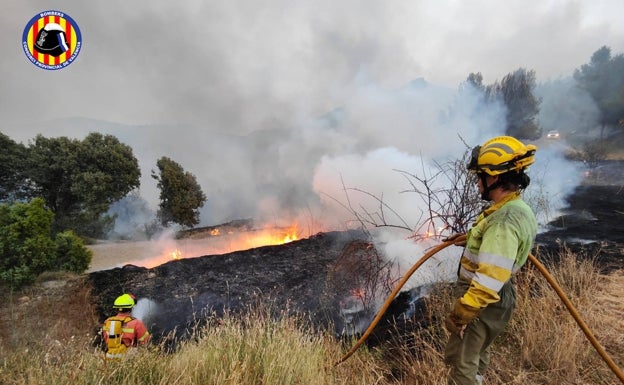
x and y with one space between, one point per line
107 255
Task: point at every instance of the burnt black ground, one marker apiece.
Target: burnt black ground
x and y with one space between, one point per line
592 226
290 278
297 277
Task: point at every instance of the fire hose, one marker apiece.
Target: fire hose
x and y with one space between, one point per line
458 240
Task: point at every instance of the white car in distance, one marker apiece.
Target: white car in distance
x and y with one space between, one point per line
552 134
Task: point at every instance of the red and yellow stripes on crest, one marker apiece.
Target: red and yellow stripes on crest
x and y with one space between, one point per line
70 36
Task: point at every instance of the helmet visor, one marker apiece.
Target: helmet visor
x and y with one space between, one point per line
473 165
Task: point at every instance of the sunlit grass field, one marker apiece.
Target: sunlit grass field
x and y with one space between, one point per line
47 333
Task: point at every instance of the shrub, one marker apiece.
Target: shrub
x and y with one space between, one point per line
71 254
27 247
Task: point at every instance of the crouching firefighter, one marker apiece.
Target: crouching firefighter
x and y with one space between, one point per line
497 245
122 332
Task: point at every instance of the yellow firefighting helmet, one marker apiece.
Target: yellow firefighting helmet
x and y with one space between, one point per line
500 155
124 301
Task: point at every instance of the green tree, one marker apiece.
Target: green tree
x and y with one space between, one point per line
603 78
515 91
13 181
27 247
80 179
180 194
522 106
487 94
475 80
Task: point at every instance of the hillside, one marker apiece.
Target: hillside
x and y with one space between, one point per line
59 309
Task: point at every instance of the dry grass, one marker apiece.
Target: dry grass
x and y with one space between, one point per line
46 333
544 344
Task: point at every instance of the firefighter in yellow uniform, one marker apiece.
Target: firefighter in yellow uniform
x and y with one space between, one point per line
123 331
497 245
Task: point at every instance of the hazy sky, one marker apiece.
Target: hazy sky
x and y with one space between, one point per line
166 76
238 65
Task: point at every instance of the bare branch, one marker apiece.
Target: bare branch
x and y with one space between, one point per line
452 207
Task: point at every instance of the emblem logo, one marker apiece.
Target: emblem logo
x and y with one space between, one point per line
51 40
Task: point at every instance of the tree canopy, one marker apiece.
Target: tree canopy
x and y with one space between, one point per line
522 106
13 181
603 79
80 179
180 194
516 92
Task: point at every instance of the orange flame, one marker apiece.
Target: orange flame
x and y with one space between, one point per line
430 233
227 241
271 237
291 235
359 293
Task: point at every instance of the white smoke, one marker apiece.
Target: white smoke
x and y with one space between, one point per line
236 65
279 175
276 108
144 309
252 98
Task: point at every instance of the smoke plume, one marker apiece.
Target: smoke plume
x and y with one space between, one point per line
276 107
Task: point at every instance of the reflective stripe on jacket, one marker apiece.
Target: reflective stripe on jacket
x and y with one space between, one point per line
134 331
497 245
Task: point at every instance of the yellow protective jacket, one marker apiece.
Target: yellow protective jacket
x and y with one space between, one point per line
497 245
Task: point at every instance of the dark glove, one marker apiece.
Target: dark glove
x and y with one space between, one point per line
453 237
455 326
460 317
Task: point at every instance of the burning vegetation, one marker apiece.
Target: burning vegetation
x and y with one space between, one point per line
192 243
